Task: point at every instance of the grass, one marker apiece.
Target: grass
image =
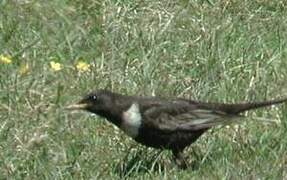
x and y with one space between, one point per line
224 51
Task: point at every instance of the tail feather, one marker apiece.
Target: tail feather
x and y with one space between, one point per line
239 108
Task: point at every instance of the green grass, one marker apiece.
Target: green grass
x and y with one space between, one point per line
224 51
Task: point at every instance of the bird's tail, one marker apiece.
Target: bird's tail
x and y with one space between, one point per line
213 114
238 108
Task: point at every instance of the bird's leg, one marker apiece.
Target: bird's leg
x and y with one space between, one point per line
179 158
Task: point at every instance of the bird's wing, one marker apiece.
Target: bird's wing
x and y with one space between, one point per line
172 117
189 115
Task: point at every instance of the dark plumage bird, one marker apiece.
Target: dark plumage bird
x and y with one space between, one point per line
171 124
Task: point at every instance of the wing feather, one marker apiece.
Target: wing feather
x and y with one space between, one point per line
184 118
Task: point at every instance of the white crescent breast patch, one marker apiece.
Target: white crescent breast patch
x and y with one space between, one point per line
132 120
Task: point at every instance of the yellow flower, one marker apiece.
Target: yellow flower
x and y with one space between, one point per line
55 66
24 69
82 66
5 59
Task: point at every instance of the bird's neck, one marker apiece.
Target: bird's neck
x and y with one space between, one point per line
115 113
112 116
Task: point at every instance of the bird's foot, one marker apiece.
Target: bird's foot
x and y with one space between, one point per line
181 163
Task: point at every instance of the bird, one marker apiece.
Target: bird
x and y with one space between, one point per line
164 123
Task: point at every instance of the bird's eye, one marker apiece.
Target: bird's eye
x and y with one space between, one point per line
93 97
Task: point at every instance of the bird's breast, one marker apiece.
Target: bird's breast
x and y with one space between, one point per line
131 120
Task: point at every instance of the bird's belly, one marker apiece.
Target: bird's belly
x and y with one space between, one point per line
167 140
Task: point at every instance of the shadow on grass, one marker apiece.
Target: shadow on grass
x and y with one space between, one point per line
147 162
139 162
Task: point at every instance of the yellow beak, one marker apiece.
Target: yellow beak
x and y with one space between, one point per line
78 106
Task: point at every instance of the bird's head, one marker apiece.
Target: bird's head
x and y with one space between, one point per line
99 102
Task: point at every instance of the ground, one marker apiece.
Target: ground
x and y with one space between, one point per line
53 52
